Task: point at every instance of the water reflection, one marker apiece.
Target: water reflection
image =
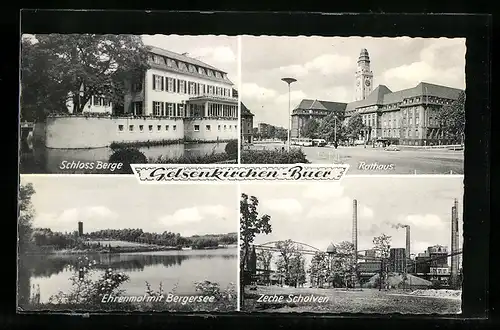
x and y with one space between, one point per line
39 159
173 269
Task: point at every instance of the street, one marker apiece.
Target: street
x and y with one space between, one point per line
351 301
406 161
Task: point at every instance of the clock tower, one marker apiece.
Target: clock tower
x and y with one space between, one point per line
364 77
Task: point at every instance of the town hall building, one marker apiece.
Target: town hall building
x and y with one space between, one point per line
408 116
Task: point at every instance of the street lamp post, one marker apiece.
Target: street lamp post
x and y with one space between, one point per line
289 81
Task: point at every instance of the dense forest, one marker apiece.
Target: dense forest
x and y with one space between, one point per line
46 238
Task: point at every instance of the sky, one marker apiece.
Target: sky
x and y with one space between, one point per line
218 51
324 68
321 213
119 202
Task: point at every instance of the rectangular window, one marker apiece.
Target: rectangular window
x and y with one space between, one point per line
141 128
182 87
207 127
120 128
192 89
158 127
180 110
170 109
166 127
174 127
170 85
196 128
131 128
218 128
150 128
225 127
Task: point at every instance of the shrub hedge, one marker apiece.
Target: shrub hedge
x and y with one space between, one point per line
293 156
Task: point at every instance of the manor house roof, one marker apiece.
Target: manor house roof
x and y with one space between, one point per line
187 60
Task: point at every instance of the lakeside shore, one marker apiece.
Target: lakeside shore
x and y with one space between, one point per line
127 249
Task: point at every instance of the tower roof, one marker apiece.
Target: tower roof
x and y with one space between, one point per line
331 248
364 56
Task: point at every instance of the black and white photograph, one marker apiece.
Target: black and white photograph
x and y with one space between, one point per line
97 103
381 105
107 243
374 244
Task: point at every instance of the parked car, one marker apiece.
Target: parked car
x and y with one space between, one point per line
319 142
391 148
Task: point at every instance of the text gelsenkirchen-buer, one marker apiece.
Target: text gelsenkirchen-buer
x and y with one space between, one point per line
152 173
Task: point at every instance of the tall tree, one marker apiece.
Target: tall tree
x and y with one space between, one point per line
382 246
355 126
84 65
452 119
287 249
318 270
310 129
264 258
251 224
344 262
297 269
25 230
331 127
26 215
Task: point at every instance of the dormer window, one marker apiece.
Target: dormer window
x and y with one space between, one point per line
210 73
201 71
182 66
170 62
217 75
192 68
158 59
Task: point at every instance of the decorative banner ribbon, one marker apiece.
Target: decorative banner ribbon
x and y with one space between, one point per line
159 173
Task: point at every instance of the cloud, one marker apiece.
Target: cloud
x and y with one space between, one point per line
340 208
427 221
221 54
255 92
324 191
325 64
294 97
288 206
194 214
92 216
294 70
432 67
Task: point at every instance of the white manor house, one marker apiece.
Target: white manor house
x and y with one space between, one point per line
179 99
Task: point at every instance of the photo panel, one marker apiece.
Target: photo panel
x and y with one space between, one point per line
382 105
365 245
131 99
94 243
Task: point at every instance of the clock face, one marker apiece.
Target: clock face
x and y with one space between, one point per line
367 82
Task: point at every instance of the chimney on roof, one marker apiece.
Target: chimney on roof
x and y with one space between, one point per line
185 54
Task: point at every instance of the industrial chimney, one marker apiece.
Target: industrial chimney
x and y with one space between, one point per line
355 228
407 242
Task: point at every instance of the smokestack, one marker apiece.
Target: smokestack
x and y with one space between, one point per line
355 228
407 242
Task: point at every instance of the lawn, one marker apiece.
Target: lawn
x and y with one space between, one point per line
349 301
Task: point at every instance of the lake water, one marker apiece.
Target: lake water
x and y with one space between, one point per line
37 159
173 269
